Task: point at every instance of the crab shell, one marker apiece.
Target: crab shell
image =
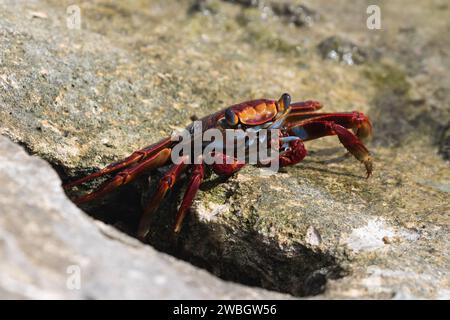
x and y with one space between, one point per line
255 112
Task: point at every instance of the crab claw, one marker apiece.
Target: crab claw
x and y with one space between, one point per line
294 154
354 145
369 167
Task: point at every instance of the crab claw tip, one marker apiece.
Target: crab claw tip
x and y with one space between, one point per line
369 167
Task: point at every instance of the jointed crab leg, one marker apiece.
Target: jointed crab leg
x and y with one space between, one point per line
297 110
165 184
350 120
305 106
354 146
130 160
317 129
193 186
127 175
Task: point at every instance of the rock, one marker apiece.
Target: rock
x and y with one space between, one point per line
46 242
338 49
313 236
131 74
206 7
297 14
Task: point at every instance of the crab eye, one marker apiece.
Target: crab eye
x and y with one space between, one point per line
231 117
284 102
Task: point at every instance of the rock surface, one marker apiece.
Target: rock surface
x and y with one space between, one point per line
134 72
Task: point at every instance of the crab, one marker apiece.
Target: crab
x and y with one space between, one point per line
296 123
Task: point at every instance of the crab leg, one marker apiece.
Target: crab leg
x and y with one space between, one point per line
351 142
350 120
127 175
165 184
305 106
302 110
130 160
194 184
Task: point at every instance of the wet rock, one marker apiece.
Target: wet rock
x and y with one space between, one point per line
340 50
206 7
46 243
294 13
297 14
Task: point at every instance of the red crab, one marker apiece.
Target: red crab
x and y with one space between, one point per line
297 122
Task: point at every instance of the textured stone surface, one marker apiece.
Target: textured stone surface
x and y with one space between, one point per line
43 236
135 71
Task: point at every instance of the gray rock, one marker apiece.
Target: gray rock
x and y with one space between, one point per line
45 242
